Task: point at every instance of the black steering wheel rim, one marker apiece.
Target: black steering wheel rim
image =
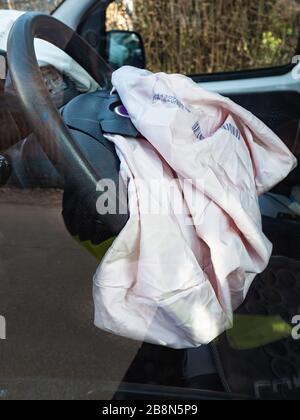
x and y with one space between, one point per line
41 114
35 100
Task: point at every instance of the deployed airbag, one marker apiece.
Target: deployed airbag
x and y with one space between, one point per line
176 273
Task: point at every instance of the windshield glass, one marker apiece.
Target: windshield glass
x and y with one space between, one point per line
46 6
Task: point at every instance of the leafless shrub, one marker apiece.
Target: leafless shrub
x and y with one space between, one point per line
204 36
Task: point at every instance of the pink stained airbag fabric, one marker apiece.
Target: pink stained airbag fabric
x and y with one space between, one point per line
174 278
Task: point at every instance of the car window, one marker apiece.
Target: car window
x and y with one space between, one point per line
198 37
54 233
46 6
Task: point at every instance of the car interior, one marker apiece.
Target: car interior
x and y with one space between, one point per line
257 359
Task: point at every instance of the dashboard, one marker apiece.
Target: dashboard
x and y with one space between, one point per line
61 88
54 80
13 126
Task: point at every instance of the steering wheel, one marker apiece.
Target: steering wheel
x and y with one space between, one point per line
40 112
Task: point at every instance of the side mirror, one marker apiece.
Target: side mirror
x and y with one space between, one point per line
125 48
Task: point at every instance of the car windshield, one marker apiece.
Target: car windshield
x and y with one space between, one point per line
46 6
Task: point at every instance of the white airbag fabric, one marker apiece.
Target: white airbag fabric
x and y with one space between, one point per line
165 280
